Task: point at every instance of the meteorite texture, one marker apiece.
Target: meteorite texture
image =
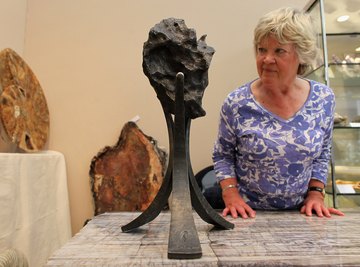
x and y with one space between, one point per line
172 48
24 112
127 176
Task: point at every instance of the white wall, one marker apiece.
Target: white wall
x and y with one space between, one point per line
87 55
12 24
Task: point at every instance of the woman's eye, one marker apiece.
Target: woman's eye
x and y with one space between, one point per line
280 51
261 50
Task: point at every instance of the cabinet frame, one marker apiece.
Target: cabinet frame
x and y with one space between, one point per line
318 6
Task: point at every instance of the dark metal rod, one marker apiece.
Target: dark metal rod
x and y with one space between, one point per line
184 241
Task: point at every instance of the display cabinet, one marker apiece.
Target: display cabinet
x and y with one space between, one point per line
339 68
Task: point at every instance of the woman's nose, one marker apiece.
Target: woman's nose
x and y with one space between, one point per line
269 58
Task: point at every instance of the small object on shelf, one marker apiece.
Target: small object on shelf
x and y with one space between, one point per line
340 120
356 119
353 184
357 186
345 189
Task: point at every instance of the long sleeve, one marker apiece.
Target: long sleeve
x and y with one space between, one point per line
224 148
321 164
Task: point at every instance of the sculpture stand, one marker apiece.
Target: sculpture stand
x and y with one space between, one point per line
179 179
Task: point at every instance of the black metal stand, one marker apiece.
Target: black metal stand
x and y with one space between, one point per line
179 179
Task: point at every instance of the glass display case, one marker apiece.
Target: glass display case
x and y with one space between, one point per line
344 79
339 68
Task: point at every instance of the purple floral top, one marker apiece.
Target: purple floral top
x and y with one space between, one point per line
272 158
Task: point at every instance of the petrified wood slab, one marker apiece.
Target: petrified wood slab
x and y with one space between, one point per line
127 176
24 112
172 48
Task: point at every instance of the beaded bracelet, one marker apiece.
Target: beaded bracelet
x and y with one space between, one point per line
229 186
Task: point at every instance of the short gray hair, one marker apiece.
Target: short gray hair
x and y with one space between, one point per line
290 26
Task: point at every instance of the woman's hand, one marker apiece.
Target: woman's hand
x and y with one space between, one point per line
235 205
314 201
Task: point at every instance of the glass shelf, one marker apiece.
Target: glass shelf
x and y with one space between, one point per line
340 74
346 127
346 144
344 79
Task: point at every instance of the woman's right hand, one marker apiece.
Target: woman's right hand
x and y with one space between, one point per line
235 204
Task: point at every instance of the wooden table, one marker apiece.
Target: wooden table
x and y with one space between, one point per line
271 239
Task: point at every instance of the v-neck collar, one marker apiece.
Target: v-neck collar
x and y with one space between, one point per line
251 95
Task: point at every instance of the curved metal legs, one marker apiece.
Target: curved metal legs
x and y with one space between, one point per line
179 179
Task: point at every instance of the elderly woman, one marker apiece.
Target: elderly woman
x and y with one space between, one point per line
275 133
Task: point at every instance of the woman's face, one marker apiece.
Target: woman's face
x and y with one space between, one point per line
277 64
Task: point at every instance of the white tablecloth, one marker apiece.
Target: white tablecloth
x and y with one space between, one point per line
34 204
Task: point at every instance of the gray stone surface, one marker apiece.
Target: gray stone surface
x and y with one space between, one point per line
273 238
172 48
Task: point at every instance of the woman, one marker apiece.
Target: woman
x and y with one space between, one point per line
275 133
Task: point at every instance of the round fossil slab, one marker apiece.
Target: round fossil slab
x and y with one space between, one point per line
24 112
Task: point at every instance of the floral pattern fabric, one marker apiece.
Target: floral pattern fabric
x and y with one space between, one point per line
272 158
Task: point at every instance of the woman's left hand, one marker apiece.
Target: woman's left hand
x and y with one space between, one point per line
315 202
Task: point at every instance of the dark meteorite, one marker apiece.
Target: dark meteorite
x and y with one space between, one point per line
172 48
